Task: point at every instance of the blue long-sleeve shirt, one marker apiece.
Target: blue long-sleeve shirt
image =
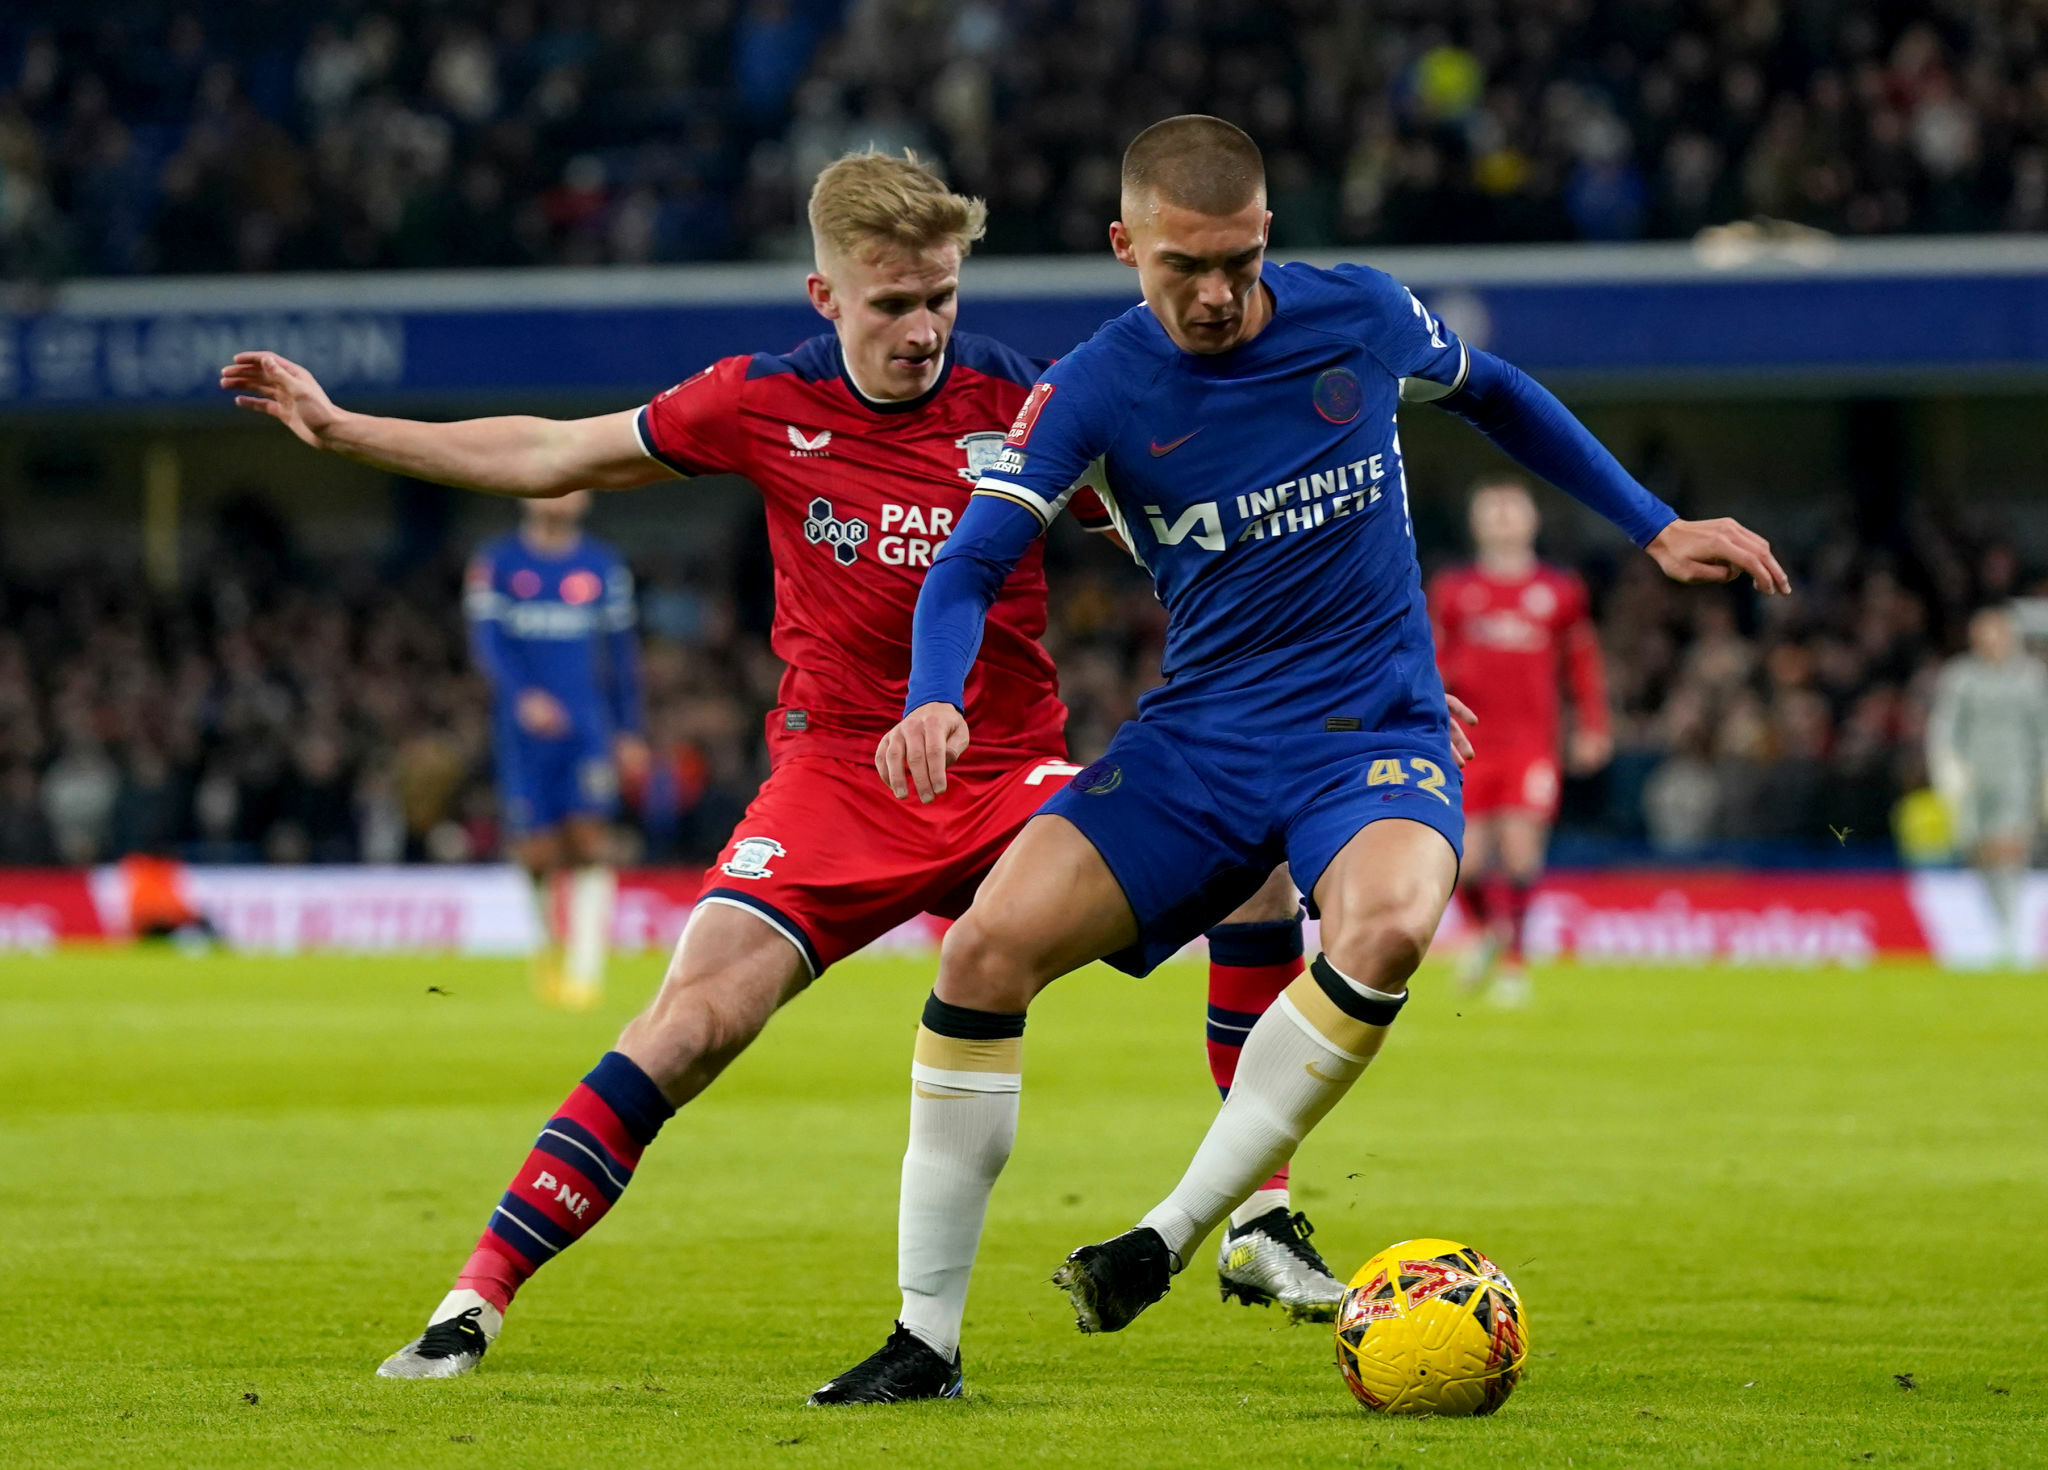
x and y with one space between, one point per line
1264 490
563 624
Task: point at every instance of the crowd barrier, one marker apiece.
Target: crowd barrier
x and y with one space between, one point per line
1644 916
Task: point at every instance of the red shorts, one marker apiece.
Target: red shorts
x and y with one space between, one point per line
832 860
1511 781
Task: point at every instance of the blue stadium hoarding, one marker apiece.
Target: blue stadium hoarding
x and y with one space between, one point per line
1900 315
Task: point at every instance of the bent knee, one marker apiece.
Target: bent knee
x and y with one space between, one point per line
985 966
1385 943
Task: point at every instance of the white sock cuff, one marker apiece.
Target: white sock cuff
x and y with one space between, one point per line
1259 1202
966 1081
931 1336
1286 1006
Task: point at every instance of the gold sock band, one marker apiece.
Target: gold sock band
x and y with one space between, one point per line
1358 1040
955 1054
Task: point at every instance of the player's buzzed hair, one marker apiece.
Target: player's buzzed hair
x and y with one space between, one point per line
871 202
1194 161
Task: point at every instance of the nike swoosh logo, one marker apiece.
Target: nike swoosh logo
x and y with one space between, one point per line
1159 449
1310 1068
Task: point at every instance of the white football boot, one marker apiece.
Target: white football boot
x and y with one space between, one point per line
1269 1260
458 1335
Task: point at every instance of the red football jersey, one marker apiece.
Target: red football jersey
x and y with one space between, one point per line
1500 645
860 497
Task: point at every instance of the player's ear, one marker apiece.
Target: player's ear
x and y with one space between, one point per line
820 291
1120 243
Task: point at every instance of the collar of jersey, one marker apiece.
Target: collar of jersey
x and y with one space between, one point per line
896 405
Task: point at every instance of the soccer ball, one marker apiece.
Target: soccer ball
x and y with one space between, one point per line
1431 1327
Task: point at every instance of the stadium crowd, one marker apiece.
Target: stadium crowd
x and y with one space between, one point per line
285 710
141 136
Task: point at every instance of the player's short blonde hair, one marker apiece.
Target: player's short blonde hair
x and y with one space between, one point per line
871 203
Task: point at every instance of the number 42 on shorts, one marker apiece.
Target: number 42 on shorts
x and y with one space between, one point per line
1388 771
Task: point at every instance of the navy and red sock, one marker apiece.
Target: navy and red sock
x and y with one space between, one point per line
580 1165
1249 965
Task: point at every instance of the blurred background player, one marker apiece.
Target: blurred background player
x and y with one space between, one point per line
1504 626
551 617
1987 754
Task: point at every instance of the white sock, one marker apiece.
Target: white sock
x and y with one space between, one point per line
963 1119
2002 888
591 893
1259 1202
1303 1055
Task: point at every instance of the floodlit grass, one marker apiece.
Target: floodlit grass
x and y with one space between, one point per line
1758 1218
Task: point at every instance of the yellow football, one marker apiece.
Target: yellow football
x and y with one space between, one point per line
1431 1327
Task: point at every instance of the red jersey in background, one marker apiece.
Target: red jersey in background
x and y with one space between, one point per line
860 496
1505 647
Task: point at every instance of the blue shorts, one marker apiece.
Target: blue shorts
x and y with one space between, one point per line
1191 824
542 783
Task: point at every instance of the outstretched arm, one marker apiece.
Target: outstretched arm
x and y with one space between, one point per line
516 455
993 535
1527 422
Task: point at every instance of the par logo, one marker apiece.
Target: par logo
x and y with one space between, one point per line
751 856
845 536
808 446
982 452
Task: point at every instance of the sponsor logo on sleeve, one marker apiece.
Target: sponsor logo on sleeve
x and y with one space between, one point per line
1027 416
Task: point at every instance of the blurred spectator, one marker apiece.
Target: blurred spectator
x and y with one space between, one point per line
288 711
161 137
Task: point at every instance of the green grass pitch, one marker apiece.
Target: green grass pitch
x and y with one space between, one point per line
1770 1218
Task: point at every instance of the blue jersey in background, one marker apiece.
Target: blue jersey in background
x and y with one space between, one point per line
564 624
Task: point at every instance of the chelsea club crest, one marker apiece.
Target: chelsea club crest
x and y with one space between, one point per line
982 450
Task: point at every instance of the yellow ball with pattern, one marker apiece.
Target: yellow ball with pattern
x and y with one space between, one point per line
1431 1327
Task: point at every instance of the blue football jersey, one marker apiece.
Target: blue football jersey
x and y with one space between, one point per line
1263 490
559 623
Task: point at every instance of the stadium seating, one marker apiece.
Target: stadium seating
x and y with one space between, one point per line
160 138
